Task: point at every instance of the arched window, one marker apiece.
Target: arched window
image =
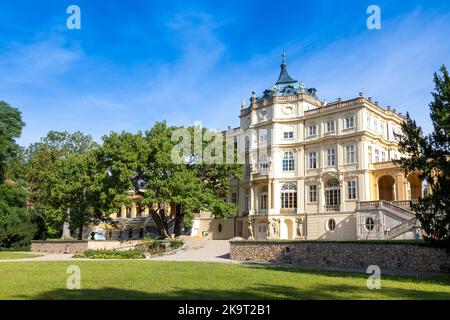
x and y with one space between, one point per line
289 196
332 195
288 161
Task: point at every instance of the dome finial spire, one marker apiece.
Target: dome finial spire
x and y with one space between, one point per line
284 77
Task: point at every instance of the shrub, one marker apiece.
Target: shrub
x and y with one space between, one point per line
175 244
111 254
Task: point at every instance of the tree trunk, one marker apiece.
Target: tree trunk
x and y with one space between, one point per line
178 220
160 224
80 232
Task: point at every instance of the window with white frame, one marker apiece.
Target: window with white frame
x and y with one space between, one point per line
263 136
375 124
332 193
351 189
263 201
350 154
383 156
312 160
377 155
289 196
312 196
288 161
382 128
288 135
312 130
247 143
331 157
349 122
369 122
330 126
370 154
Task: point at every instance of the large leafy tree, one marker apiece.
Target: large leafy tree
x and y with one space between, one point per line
11 125
429 155
16 222
143 163
46 164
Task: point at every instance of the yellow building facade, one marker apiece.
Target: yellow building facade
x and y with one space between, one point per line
316 170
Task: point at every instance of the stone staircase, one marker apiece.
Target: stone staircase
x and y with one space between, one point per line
400 209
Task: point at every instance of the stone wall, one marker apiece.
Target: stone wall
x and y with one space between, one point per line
59 247
411 257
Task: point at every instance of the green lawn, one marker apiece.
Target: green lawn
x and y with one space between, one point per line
5 255
190 280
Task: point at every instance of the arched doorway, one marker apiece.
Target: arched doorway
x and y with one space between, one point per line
386 188
415 187
289 228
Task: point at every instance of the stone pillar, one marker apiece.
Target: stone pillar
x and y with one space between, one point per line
252 199
269 195
343 195
146 212
133 210
123 212
320 196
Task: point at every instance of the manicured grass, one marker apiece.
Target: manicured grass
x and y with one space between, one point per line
6 255
191 280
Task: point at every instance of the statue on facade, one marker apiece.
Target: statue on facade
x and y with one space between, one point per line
250 229
276 225
271 229
299 228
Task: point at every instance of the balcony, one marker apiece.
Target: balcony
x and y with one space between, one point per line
333 208
261 212
288 210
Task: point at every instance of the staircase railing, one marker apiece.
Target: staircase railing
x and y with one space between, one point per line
401 228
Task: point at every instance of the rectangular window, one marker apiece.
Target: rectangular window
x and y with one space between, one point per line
369 122
234 198
330 126
375 124
383 156
263 202
289 200
350 153
312 131
313 160
377 155
370 155
351 190
331 157
312 193
349 122
288 135
382 128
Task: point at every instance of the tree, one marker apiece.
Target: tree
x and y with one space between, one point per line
16 222
429 155
42 161
142 163
11 125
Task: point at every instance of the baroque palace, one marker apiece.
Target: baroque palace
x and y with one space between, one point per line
313 170
318 170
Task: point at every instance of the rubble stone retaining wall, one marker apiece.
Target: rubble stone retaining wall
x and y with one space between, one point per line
59 247
408 257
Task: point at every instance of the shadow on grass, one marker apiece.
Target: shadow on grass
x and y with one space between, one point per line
436 278
260 292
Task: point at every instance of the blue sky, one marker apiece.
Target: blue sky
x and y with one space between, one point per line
136 62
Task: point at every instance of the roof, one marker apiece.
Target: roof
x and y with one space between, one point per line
284 76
